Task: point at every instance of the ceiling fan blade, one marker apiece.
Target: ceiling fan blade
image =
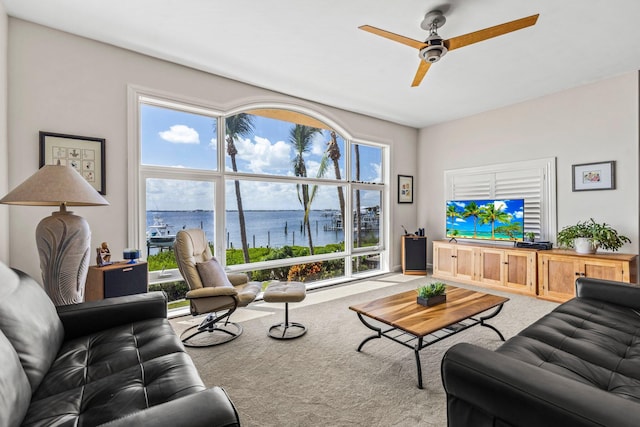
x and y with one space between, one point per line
487 33
392 36
422 70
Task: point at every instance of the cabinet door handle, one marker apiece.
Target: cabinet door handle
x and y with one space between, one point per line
124 270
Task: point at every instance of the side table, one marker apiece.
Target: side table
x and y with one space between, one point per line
117 279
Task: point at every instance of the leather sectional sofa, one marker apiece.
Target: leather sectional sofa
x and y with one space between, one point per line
577 366
116 362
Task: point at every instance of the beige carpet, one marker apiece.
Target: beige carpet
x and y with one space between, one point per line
320 379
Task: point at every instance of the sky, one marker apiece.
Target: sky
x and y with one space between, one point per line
186 140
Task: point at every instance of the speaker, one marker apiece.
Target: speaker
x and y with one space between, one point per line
535 245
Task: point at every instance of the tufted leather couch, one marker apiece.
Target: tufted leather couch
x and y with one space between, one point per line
115 362
577 366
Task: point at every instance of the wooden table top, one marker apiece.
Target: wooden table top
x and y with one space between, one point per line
403 312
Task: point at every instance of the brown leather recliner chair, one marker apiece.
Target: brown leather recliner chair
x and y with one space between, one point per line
212 291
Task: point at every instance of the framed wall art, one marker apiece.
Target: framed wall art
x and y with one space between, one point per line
405 189
84 154
594 176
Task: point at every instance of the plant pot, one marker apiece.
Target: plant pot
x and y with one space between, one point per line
584 245
428 302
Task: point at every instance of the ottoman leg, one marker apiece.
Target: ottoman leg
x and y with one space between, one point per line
287 330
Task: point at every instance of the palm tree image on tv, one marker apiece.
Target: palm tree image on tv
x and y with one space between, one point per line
486 219
472 210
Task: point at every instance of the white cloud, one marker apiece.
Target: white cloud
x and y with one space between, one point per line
180 134
263 156
170 194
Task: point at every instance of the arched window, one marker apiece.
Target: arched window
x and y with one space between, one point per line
281 193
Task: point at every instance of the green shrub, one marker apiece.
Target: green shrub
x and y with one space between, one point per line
174 290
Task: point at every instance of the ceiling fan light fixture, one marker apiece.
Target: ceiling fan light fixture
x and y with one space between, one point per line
435 49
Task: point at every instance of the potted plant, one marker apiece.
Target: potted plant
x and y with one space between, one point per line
432 294
587 236
529 236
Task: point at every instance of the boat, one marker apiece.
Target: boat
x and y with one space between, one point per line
159 234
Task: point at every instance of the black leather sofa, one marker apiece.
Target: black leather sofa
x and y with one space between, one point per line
115 362
577 366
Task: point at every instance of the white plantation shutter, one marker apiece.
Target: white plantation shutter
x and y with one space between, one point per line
533 181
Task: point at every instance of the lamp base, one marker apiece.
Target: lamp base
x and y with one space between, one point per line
64 243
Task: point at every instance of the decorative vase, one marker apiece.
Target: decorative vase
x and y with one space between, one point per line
584 245
428 302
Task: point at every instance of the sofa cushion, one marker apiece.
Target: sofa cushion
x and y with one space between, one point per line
590 341
30 322
114 373
15 391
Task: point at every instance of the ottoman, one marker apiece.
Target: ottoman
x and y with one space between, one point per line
286 292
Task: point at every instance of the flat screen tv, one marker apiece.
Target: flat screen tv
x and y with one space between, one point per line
486 219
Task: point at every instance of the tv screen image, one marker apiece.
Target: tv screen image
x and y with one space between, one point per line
486 219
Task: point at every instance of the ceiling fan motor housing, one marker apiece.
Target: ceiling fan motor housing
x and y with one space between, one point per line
434 50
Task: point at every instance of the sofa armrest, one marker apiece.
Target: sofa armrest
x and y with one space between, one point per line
210 408
486 385
619 293
89 317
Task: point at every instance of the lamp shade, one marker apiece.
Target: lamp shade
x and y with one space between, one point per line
54 185
63 239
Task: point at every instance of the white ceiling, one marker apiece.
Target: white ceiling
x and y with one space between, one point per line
314 50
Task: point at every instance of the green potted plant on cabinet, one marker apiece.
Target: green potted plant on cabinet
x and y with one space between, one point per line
587 236
432 294
529 236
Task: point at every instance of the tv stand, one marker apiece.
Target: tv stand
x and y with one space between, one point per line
489 265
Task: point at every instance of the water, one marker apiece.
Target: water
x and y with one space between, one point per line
264 228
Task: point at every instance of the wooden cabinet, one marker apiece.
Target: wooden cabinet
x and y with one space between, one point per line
414 255
558 270
490 266
116 280
454 261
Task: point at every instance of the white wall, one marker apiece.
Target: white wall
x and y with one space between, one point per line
4 147
592 123
66 84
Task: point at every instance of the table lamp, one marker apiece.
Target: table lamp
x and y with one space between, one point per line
63 239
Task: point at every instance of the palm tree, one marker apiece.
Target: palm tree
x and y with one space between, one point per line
333 152
452 214
301 136
356 149
472 210
491 214
240 125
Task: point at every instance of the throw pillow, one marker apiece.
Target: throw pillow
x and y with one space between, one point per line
212 274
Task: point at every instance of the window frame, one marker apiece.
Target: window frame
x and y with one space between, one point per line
138 173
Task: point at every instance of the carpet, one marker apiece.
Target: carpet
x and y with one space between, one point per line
321 380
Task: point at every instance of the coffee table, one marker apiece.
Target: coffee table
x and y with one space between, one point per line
417 327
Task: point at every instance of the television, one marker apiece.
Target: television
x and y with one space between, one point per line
498 219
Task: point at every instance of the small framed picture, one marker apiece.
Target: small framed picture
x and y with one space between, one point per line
594 176
84 154
405 189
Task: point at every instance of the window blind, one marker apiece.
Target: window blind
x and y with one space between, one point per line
533 181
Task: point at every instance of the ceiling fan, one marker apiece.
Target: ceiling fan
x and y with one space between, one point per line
435 47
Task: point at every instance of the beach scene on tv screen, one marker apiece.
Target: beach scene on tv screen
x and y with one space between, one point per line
485 219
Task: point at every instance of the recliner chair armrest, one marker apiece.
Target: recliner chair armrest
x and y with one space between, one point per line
619 293
211 292
238 278
211 407
481 383
89 317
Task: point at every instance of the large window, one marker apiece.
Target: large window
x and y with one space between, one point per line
281 194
